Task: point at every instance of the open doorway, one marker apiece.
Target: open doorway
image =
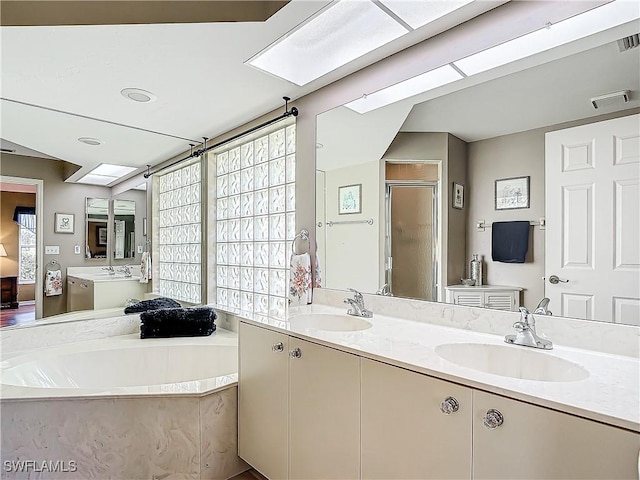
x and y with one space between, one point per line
21 239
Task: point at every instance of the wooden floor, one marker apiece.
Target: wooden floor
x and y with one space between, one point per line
249 475
17 316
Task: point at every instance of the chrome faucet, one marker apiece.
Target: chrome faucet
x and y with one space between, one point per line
110 270
385 290
542 307
357 305
526 335
126 270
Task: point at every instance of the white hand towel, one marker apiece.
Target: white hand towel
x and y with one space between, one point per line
145 268
53 283
300 280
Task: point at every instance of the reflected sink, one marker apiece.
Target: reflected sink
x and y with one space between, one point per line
512 361
329 322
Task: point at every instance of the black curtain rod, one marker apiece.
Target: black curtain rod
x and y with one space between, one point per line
288 113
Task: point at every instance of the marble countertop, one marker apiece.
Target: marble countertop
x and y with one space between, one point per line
610 393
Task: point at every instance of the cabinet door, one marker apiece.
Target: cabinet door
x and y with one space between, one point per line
470 299
262 400
500 300
79 294
534 442
404 433
324 416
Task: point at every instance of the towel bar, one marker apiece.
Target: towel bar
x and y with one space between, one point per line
481 225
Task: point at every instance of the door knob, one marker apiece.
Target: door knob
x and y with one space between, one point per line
554 279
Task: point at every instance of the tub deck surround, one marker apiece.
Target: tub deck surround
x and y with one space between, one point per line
123 366
610 394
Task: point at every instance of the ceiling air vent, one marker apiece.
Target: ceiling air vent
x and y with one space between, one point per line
610 99
627 43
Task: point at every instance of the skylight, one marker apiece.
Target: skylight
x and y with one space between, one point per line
105 174
413 86
419 13
339 34
573 28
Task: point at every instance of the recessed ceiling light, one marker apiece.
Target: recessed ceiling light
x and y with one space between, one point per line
339 34
413 86
90 141
574 28
138 95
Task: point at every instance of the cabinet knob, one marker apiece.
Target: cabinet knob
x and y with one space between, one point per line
449 405
493 419
278 347
295 353
84 285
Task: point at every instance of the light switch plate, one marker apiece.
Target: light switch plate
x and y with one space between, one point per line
52 250
76 249
140 248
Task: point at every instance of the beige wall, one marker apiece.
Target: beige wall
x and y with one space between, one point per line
9 236
352 251
515 155
457 219
66 198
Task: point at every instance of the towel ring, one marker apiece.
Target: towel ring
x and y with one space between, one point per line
52 263
303 235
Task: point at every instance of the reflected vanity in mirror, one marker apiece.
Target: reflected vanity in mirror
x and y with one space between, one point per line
124 234
97 228
409 155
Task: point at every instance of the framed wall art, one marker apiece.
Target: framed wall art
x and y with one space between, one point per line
512 193
458 196
64 223
350 199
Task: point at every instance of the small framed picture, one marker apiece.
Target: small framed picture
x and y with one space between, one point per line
350 199
512 193
458 196
101 236
64 223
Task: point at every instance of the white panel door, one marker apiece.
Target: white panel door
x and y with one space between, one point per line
593 220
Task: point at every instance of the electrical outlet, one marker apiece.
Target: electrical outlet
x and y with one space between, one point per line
140 249
52 250
76 249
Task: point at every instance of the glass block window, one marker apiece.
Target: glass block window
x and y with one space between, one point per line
179 242
254 196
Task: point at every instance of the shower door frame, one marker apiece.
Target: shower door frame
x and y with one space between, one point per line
435 229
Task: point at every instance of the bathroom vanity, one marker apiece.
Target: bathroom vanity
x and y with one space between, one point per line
94 288
390 398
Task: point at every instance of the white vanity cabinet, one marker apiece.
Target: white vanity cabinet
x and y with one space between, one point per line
405 434
535 442
87 294
299 407
486 296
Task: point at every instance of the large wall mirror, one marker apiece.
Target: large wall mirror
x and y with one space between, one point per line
426 170
97 228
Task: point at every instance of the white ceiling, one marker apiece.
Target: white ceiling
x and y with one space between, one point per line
197 71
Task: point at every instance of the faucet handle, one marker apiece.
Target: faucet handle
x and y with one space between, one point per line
357 295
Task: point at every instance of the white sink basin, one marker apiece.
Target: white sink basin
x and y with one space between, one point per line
512 361
329 322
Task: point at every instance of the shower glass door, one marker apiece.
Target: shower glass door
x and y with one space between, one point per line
411 241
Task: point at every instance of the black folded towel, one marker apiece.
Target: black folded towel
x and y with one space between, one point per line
178 322
509 241
153 304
